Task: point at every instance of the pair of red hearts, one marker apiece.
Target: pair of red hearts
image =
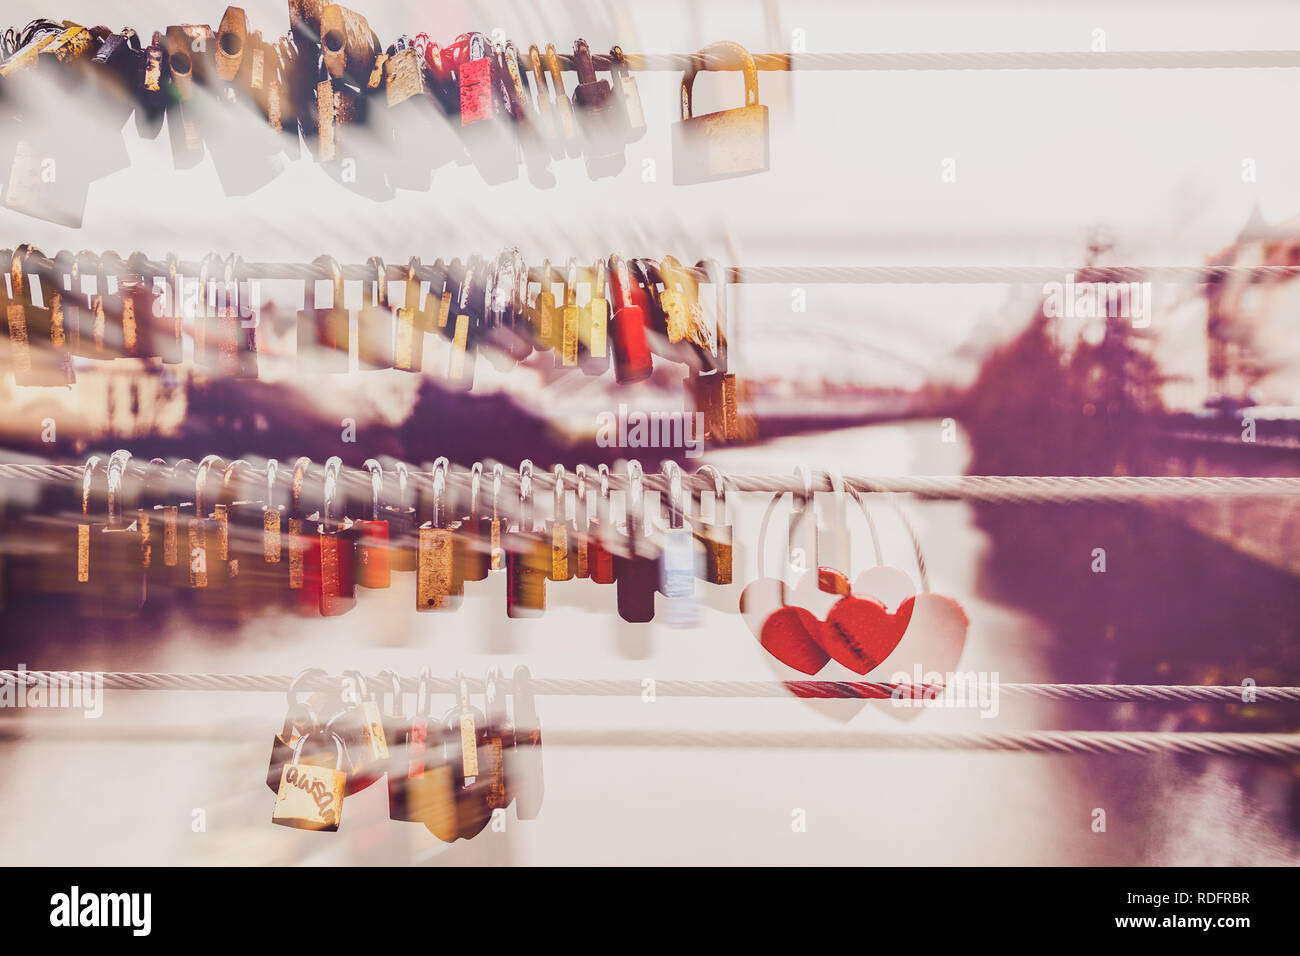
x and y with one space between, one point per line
823 618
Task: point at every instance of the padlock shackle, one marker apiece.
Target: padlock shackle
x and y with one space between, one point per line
359 681
580 497
510 56
302 675
402 477
272 472
602 503
335 275
296 485
561 504
526 495
622 281
412 300
553 68
395 690
634 504
617 61
228 479
716 275
582 63
380 295
423 699
719 494
338 746
673 500
330 493
535 61
117 464
475 481
462 690
201 482
571 282
498 473
376 486
731 54
599 279
438 481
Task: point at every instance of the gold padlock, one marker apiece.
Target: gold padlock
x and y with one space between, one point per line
716 534
727 143
716 391
311 796
437 587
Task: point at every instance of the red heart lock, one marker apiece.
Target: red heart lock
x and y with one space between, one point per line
786 631
860 631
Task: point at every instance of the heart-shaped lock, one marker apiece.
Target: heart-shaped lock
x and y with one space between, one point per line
860 631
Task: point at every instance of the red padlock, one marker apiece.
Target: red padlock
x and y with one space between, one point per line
627 333
485 117
600 559
303 546
337 536
372 536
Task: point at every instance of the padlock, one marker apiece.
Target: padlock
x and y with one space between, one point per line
163 539
727 143
372 544
310 797
485 122
272 520
406 741
143 333
631 348
403 536
715 535
565 123
802 528
579 549
105 308
444 291
170 340
465 330
408 348
716 391
689 339
593 333
547 121
545 321
324 335
110 559
299 721
562 534
439 586
231 546
600 531
601 119
397 728
524 758
375 320
529 125
232 40
499 740
428 790
678 561
834 543
37 344
528 556
496 524
478 528
299 55
119 65
422 138
465 734
627 95
348 45
303 544
338 537
566 355
506 323
206 569
189 51
340 107
78 317
636 564
221 340
357 719
151 88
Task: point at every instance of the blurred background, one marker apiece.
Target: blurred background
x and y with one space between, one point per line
1070 169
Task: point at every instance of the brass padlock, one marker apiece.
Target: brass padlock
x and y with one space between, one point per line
727 143
348 45
232 39
109 556
403 537
562 534
337 537
547 123
579 548
566 356
408 346
299 721
528 556
37 344
310 797
543 314
373 569
207 569
593 333
375 320
465 330
566 123
716 391
498 740
716 534
629 97
324 335
360 724
478 538
438 587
